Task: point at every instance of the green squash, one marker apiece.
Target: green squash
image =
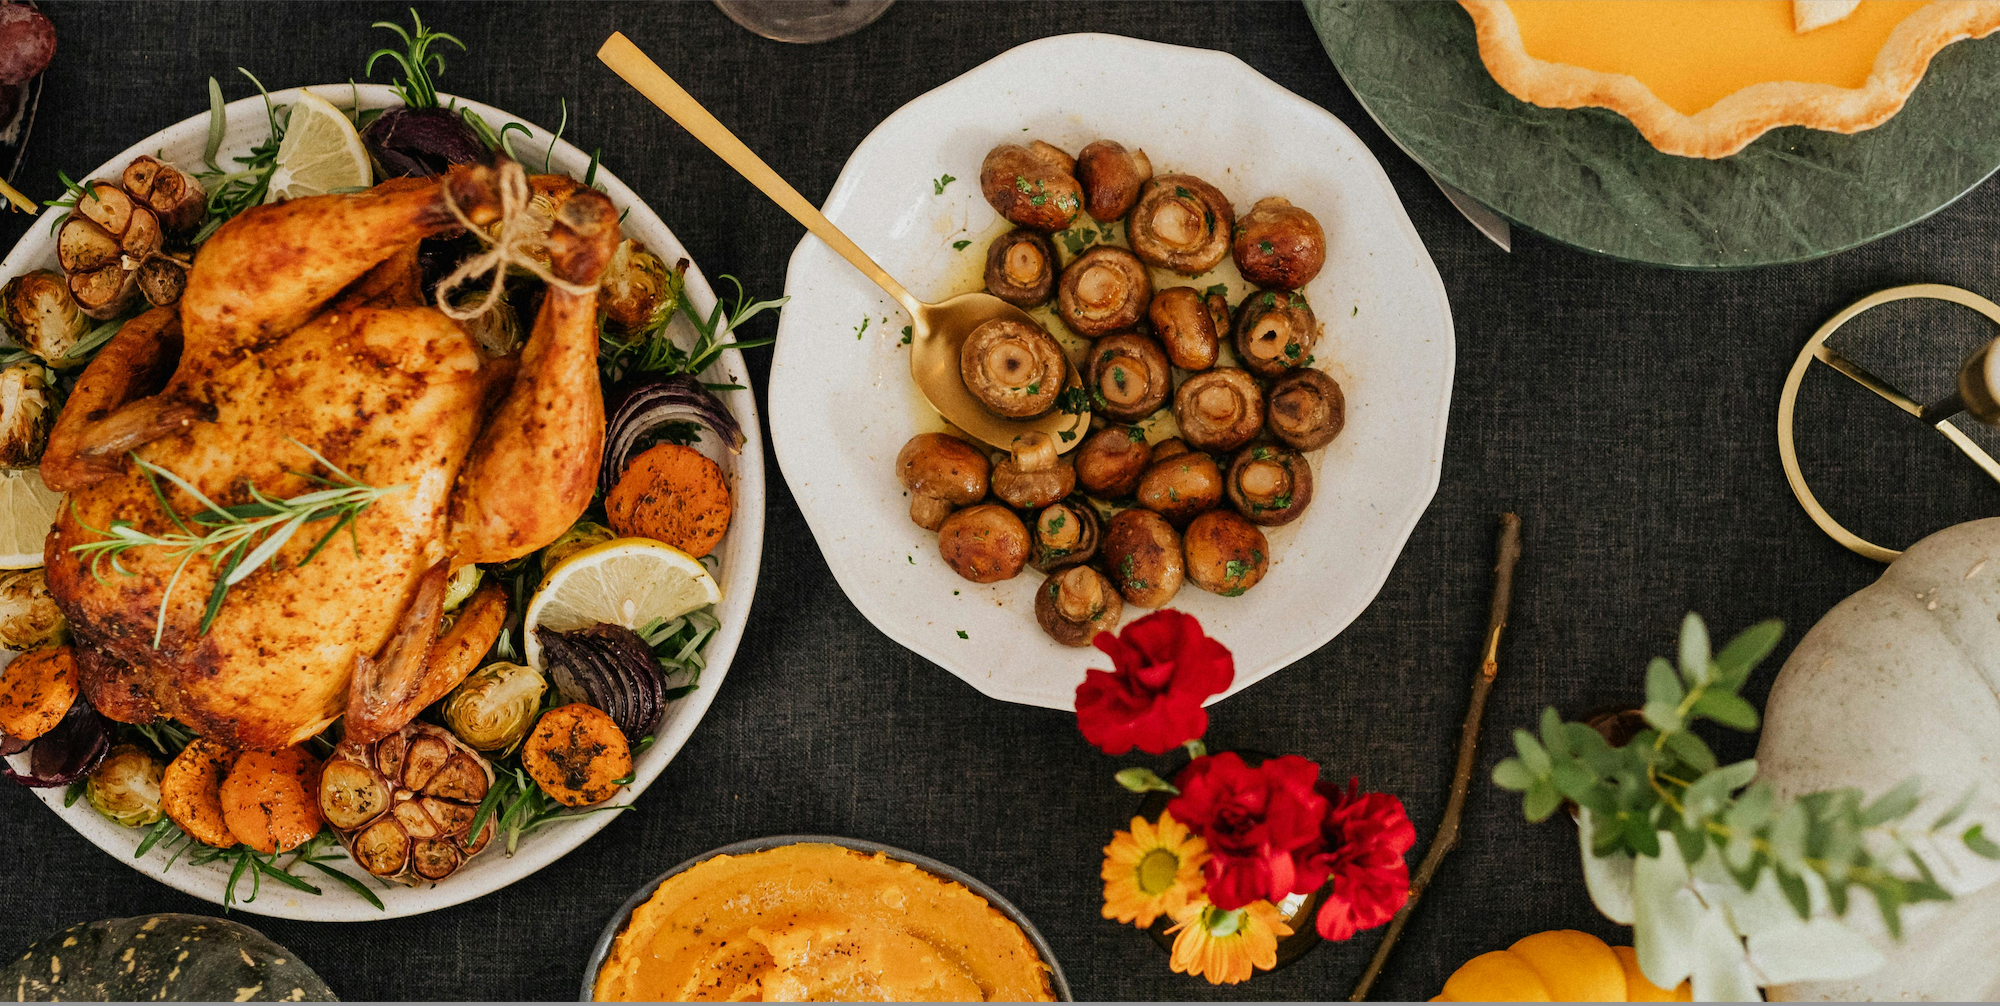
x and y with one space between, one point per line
163 958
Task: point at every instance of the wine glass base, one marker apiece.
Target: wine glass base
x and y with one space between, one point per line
804 20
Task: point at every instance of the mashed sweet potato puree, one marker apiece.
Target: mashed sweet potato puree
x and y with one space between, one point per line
814 922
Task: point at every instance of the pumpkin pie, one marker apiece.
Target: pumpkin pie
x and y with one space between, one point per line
1703 78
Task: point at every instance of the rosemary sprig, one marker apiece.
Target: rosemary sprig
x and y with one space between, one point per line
232 191
418 61
655 351
238 540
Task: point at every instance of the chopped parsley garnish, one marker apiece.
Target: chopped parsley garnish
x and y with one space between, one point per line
961 632
863 328
1182 192
1218 290
1292 350
1035 388
907 336
1135 434
1264 246
1074 401
961 245
938 184
1056 524
1270 299
1234 569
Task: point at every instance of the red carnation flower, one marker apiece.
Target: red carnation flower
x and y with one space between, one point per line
1165 668
1260 823
1361 849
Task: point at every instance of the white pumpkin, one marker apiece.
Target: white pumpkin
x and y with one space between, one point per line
1903 679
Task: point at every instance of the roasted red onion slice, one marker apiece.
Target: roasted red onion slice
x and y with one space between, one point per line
610 667
67 753
642 412
423 142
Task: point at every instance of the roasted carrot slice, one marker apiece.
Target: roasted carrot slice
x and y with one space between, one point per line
35 691
672 494
190 792
271 798
576 755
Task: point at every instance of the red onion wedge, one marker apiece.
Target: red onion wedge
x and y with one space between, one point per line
610 667
67 753
648 410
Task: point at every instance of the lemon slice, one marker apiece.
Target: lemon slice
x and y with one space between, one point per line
27 510
625 581
320 153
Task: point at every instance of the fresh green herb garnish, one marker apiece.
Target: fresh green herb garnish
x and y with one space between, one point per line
418 61
1218 290
907 336
1135 434
232 191
863 328
938 184
962 635
1264 246
961 245
654 350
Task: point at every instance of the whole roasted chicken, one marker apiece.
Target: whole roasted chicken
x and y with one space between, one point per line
303 354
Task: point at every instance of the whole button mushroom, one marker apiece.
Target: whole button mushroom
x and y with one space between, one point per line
1033 186
1275 331
1076 604
1181 223
1034 475
1129 376
1143 552
1016 369
1190 325
1067 533
984 544
1220 409
1111 177
1110 462
1279 245
941 474
1106 289
1181 487
1270 485
1226 554
1306 409
1021 268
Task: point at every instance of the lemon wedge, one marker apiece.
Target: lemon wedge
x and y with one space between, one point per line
625 581
27 510
320 153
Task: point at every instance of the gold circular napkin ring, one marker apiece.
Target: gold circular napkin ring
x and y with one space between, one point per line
1815 349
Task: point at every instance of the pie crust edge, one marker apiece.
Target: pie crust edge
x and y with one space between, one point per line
1729 125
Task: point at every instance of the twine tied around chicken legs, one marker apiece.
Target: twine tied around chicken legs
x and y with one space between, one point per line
519 231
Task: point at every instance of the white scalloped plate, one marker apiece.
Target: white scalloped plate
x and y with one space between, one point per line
738 555
842 403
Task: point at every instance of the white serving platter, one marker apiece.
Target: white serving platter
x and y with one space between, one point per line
842 403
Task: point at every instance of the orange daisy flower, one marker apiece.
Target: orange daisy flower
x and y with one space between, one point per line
1152 870
1227 947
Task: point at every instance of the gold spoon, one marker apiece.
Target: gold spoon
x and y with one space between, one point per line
937 330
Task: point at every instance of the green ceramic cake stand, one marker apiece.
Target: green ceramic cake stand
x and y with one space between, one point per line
1586 178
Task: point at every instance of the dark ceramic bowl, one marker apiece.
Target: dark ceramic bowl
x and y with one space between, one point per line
1057 983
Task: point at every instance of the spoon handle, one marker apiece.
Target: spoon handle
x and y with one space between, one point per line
642 73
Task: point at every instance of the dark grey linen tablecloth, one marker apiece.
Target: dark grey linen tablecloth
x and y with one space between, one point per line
1625 413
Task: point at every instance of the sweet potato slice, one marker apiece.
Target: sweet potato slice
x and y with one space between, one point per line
576 755
672 494
191 792
35 691
271 798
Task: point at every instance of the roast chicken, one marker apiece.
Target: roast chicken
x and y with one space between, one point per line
304 325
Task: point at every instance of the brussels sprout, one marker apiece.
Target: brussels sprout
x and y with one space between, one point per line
27 413
42 316
28 615
498 331
495 707
639 291
126 787
580 536
463 583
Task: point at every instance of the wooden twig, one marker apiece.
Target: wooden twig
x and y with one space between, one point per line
1446 839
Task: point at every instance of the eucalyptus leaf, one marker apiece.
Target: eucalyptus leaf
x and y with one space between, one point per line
1663 716
1692 750
1663 686
1532 753
1695 663
1795 891
1512 774
1607 878
1726 708
1788 837
1541 801
1820 949
1956 810
1893 805
1976 840
1741 655
1143 780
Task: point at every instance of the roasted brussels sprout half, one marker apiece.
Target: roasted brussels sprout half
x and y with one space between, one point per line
1015 369
1066 533
126 787
1306 409
1021 268
1034 186
43 317
1034 475
1270 485
1220 409
1189 325
1129 376
1109 463
27 412
581 535
984 544
1076 604
1106 289
28 615
1226 554
1279 245
1181 223
464 580
495 707
941 473
638 291
1143 553
1275 331
497 331
1111 177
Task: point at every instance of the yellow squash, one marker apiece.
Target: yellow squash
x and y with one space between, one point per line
1561 965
